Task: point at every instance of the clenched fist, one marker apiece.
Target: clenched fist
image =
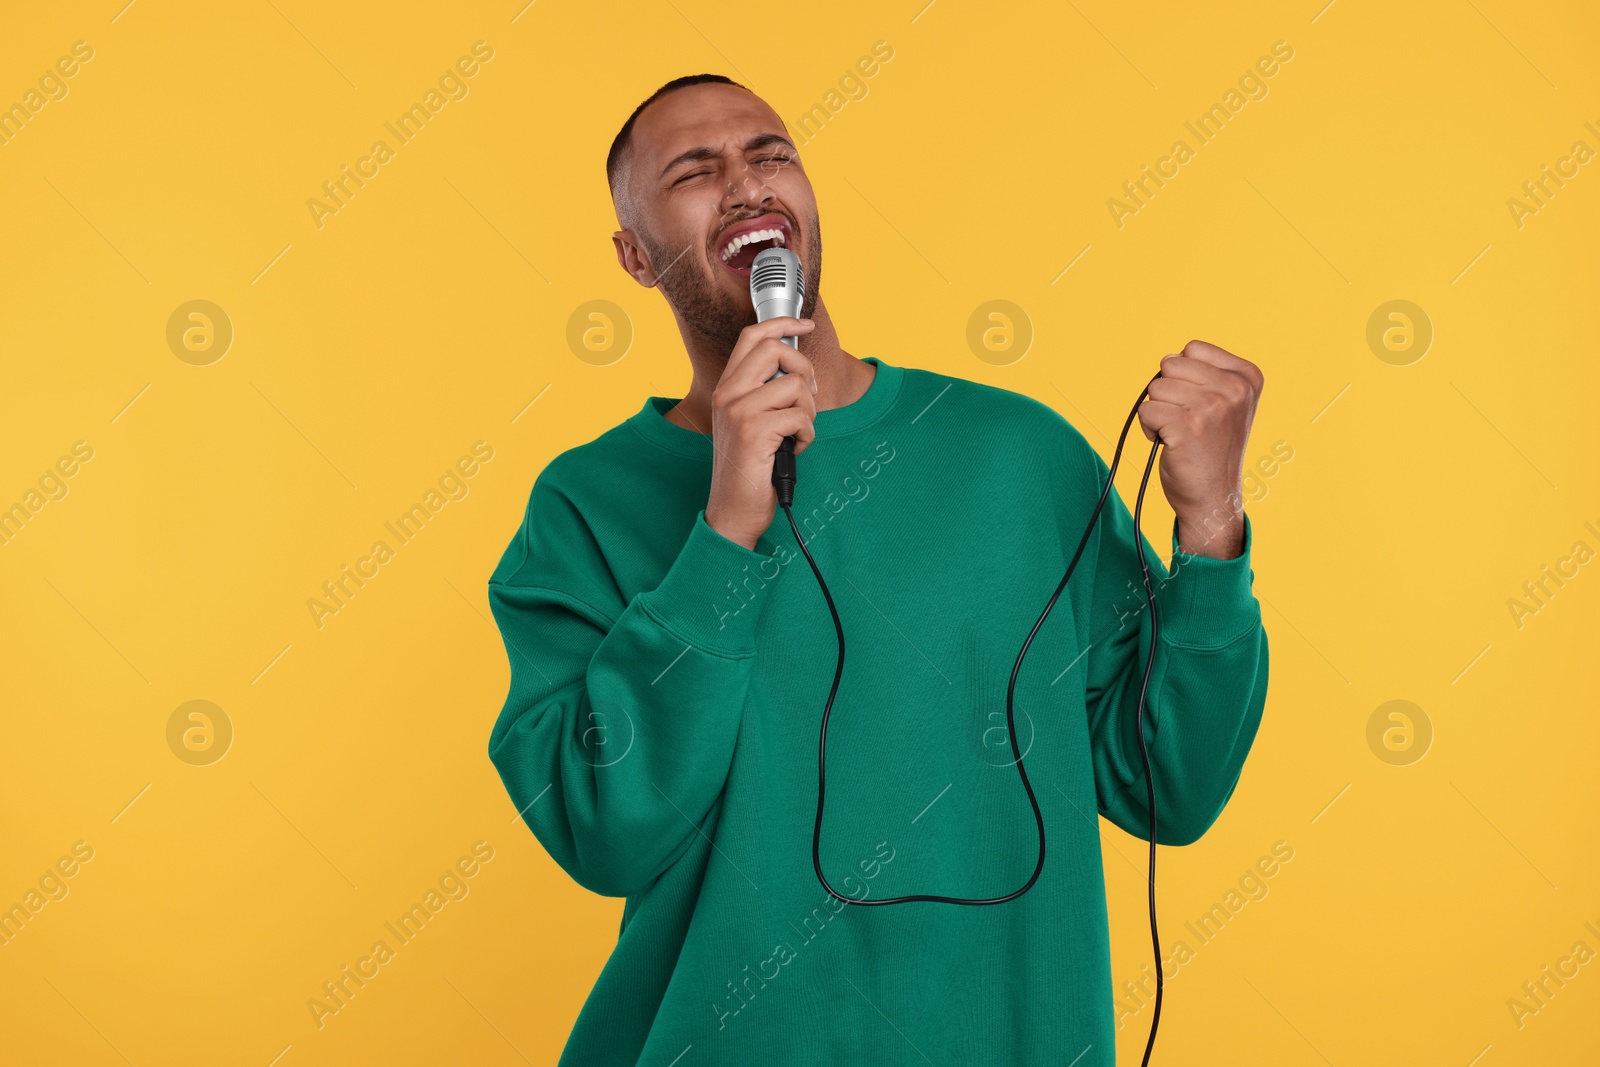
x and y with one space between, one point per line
1202 407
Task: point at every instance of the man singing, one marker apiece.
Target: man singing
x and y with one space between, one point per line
671 653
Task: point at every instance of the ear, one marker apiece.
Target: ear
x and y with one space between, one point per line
632 257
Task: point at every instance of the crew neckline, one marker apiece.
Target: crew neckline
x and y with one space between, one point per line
652 424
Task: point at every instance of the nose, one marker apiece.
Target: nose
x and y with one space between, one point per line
746 186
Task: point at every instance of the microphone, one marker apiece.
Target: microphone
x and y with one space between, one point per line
777 289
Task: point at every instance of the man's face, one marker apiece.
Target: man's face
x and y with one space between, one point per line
711 163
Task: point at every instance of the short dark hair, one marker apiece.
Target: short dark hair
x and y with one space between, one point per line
619 144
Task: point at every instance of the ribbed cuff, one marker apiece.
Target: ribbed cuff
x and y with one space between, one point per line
713 594
1207 602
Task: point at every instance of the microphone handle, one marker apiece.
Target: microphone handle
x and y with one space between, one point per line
783 470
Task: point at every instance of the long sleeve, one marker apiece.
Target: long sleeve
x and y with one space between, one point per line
618 730
1207 688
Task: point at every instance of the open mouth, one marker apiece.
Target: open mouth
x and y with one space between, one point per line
743 242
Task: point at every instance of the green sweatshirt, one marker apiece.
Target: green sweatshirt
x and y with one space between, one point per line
660 733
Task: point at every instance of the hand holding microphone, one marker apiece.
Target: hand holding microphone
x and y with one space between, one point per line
750 418
763 407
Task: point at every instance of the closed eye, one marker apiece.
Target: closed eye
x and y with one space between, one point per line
701 173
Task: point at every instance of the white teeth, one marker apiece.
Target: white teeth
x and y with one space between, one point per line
750 238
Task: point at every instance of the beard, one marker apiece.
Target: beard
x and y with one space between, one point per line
711 311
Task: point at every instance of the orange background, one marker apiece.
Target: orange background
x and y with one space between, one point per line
368 354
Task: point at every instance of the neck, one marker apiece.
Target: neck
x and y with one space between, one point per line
841 377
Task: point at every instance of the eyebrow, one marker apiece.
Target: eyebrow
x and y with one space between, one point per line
693 155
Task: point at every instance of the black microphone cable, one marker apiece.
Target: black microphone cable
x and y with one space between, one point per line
783 477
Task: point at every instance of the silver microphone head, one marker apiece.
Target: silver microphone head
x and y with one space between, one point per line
777 287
